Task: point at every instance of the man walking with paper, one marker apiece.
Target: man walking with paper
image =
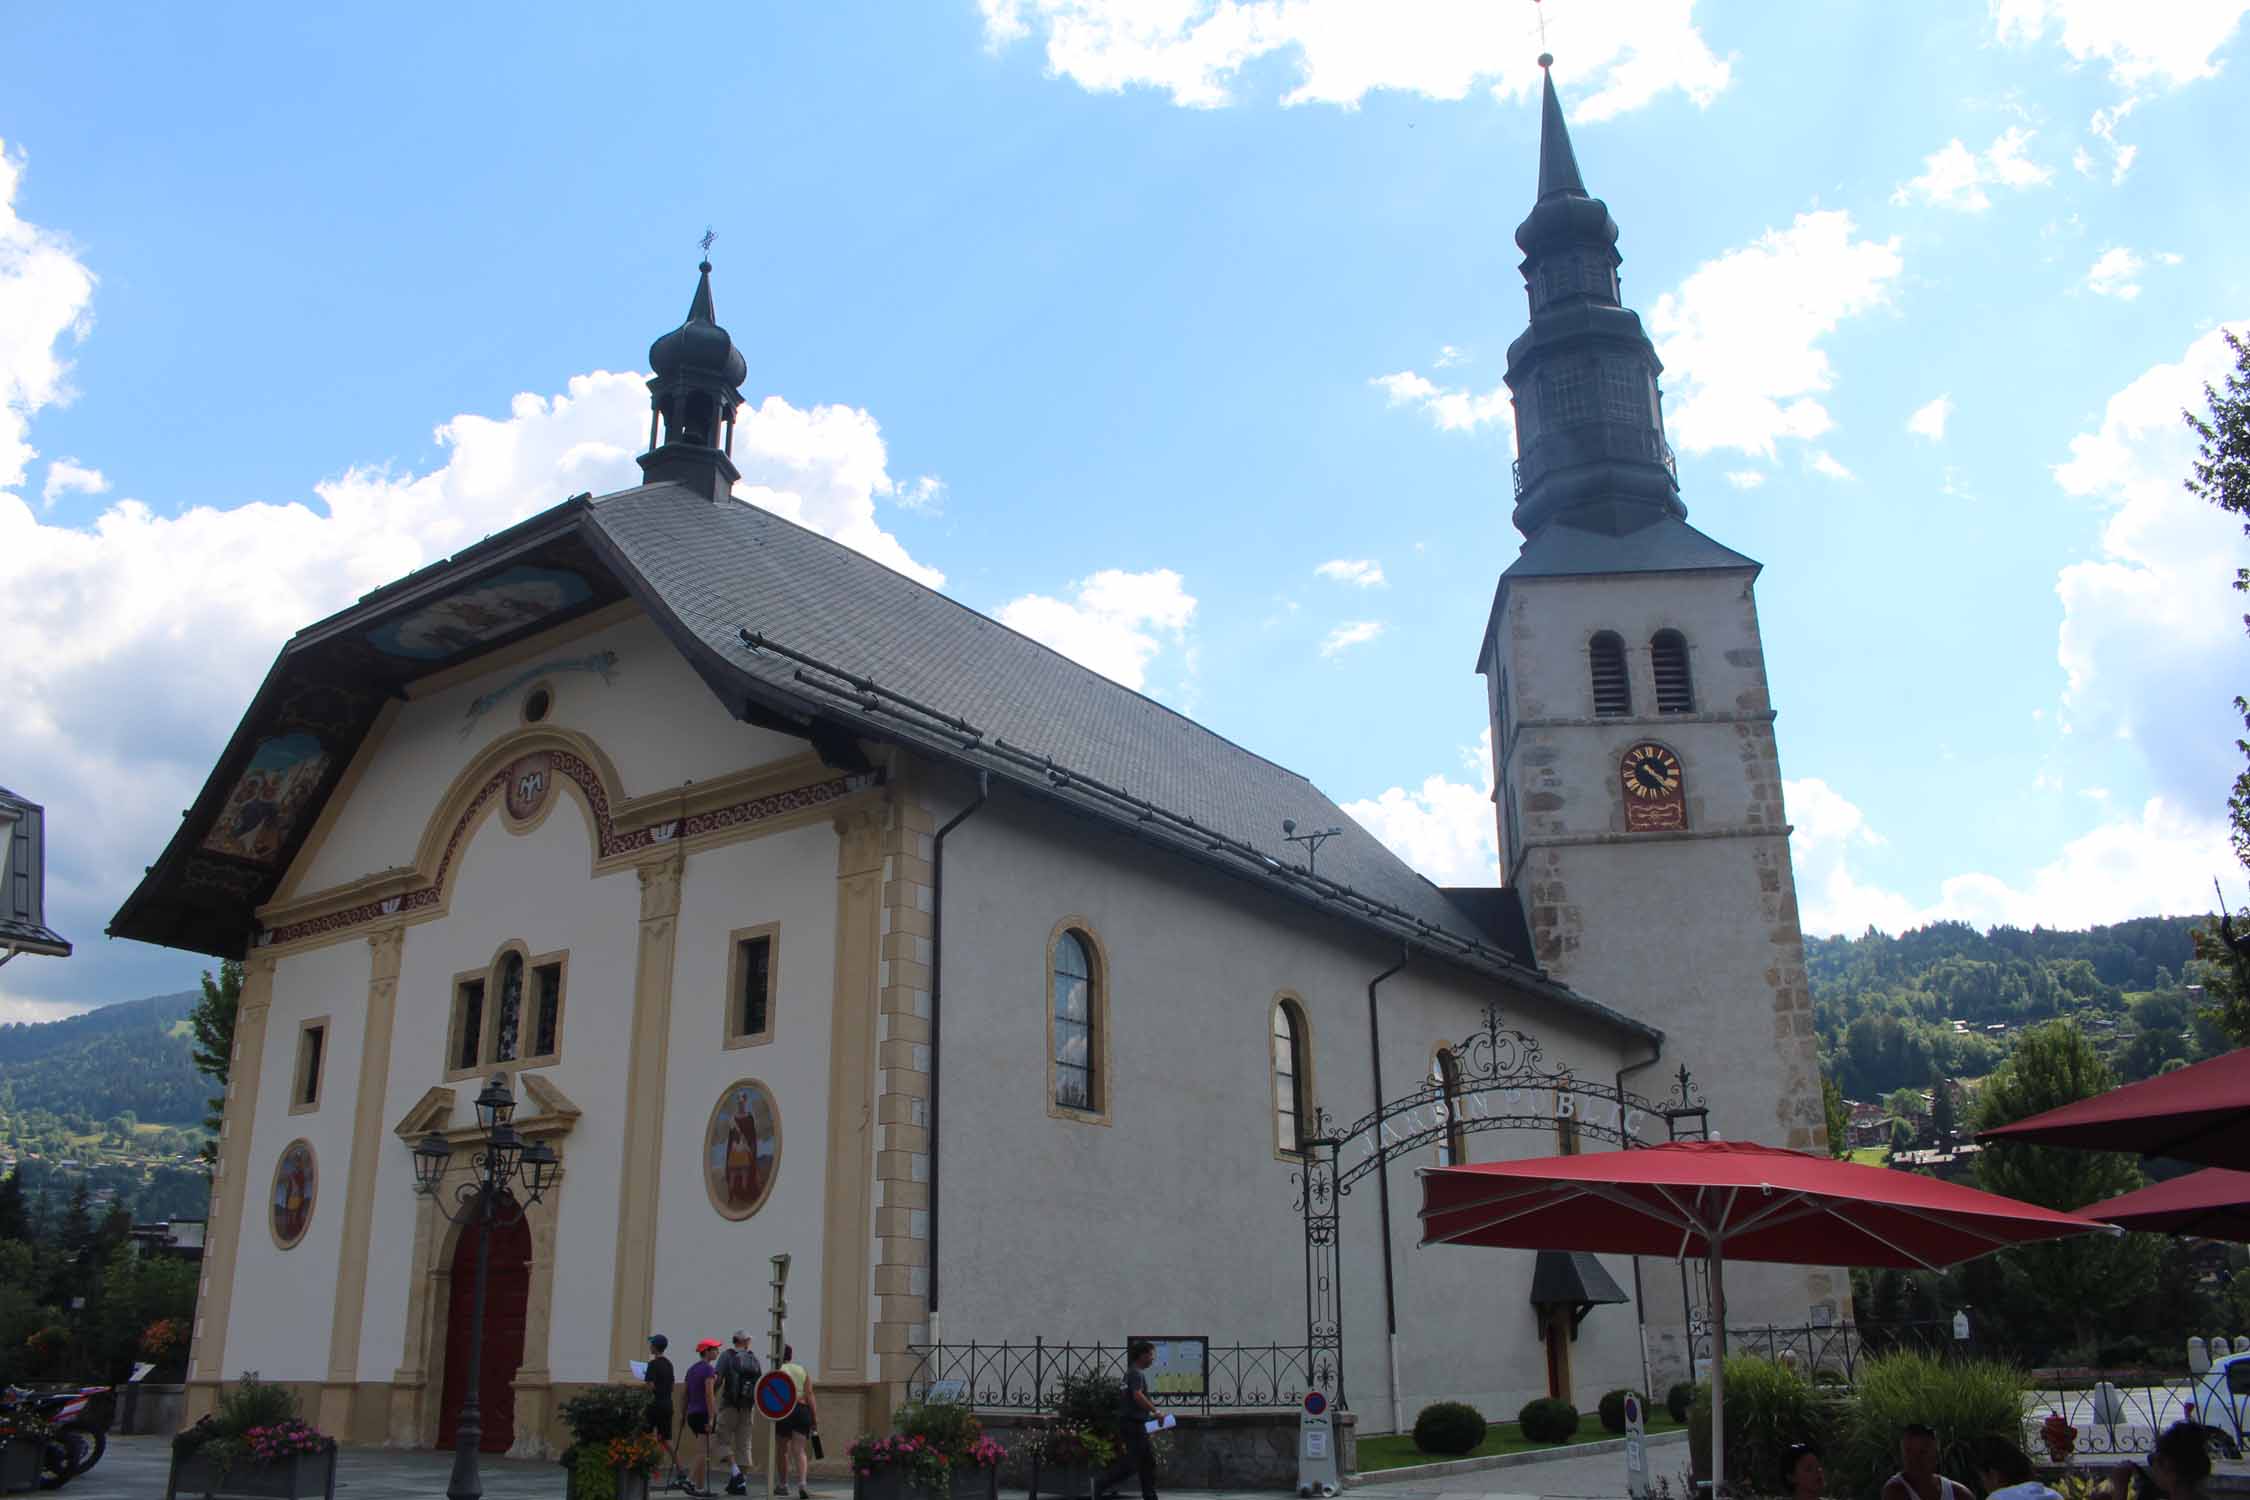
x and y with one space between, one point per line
1135 1413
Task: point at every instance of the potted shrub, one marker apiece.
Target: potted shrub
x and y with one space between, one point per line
976 1470
255 1444
900 1466
950 1427
605 1460
1066 1461
23 1438
2059 1437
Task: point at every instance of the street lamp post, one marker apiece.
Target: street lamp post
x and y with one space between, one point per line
482 1204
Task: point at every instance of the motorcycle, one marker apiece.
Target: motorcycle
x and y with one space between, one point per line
78 1428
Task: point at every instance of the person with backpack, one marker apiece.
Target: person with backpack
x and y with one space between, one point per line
739 1370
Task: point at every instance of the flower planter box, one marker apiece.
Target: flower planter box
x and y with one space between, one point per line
1065 1482
976 1484
301 1476
19 1467
890 1484
632 1484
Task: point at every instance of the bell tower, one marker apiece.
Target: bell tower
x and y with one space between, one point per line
1636 781
693 396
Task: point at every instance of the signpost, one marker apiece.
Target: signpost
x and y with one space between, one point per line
774 1344
1636 1448
1317 1473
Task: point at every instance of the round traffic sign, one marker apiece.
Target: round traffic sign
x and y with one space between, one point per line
1316 1402
776 1395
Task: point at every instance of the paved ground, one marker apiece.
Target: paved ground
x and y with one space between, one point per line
135 1469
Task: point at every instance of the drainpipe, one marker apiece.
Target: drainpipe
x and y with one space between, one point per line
1640 1305
1383 1178
937 1013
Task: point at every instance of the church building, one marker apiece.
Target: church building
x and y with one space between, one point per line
809 912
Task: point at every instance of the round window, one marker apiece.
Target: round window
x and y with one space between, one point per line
536 703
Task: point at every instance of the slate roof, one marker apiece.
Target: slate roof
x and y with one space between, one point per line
1670 545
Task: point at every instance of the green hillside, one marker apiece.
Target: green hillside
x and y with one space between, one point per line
127 1058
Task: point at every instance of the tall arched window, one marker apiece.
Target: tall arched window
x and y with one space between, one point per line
1292 1096
1452 1148
1675 690
1076 1023
1613 690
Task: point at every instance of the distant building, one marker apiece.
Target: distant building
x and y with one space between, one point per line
23 881
181 1239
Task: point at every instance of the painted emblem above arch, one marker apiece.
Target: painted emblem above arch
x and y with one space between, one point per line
296 1189
269 798
503 604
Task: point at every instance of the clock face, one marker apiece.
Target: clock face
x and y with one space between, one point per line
1650 771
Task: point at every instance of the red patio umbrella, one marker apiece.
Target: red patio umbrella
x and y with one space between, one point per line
2199 1114
2213 1202
1717 1199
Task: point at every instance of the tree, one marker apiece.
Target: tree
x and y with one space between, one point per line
1942 1125
2221 475
2079 1284
2220 972
15 1217
212 1022
1839 1117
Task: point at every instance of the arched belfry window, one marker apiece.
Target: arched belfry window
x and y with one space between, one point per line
1675 689
1452 1148
1613 690
1076 1023
1292 1096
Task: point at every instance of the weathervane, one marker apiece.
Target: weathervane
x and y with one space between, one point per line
710 235
1312 841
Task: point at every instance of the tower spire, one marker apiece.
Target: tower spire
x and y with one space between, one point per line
693 396
1590 447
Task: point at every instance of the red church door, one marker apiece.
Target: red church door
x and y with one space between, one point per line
507 1289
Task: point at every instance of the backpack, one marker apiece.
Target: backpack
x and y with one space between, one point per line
738 1376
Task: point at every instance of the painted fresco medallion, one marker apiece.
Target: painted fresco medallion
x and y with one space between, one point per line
742 1149
501 605
269 799
296 1185
527 784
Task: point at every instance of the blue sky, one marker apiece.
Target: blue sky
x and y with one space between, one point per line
1168 331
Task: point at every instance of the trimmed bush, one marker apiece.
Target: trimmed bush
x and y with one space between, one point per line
1679 1398
1089 1399
1548 1420
1769 1407
1962 1401
1449 1427
1612 1409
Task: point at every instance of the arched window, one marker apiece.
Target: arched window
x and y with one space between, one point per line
1452 1148
1292 1094
1613 690
1076 1024
1675 690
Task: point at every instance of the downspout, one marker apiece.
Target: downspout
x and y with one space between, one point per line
1383 1179
937 1013
1640 1304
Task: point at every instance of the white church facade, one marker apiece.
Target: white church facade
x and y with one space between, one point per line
811 913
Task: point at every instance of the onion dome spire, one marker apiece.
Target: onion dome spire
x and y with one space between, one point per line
693 396
1590 446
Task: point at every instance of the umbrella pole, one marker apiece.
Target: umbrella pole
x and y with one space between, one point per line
1717 1255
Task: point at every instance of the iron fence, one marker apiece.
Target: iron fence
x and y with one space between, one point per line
2122 1414
1029 1377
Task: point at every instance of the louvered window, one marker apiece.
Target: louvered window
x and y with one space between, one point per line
1569 397
1613 692
1624 391
1675 690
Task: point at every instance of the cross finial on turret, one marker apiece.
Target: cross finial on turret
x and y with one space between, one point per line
710 238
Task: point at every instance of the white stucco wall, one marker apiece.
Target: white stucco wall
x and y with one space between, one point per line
1177 1216
654 717
279 1314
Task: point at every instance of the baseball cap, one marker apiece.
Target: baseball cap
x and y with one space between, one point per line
658 1341
741 1337
703 1344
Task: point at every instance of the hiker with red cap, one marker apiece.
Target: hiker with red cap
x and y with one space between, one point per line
702 1402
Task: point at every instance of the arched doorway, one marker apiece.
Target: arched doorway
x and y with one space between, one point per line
507 1293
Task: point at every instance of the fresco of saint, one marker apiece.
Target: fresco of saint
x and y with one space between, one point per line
741 1148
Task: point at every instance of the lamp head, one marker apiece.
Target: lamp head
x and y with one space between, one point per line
430 1157
496 1105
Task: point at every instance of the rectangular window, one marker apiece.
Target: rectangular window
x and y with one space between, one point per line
1568 398
547 1031
312 1052
1624 391
750 985
507 1022
468 1024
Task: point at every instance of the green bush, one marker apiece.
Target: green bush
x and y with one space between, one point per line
1090 1400
1449 1427
1962 1401
1612 1409
592 1478
1547 1420
605 1412
253 1403
1679 1398
1769 1407
951 1427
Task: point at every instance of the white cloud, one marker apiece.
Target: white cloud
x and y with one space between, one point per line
2116 273
1953 176
1746 479
66 476
1449 356
2154 864
1444 828
2104 127
30 1010
1454 410
1929 419
1113 624
1741 335
1824 463
1361 572
1621 57
2166 45
2151 640
925 495
45 296
1349 634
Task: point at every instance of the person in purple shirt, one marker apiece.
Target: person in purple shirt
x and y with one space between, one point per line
702 1401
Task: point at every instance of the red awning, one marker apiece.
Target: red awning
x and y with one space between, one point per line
2199 1114
2213 1202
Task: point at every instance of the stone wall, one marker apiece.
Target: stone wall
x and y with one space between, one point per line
1226 1451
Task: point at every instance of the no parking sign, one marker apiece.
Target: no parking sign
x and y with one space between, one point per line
776 1395
1316 1447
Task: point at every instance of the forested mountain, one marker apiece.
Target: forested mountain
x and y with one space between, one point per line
1886 1006
131 1058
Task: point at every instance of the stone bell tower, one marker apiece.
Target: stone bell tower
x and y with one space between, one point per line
1637 785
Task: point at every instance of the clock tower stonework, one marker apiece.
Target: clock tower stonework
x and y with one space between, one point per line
1636 780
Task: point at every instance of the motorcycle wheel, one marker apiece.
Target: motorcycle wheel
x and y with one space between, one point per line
68 1454
90 1446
